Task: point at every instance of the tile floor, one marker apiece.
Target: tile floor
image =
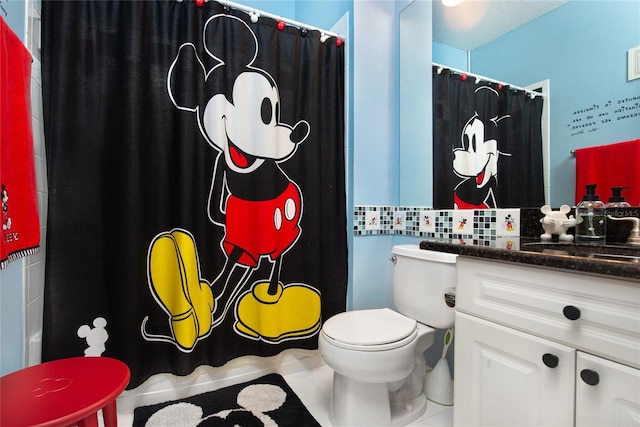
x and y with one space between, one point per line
314 389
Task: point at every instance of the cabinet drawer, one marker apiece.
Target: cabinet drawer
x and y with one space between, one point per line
538 301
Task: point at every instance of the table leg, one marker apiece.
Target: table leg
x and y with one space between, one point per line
90 421
110 414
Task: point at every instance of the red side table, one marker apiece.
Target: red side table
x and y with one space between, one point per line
63 392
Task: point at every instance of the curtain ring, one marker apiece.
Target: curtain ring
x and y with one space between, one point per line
254 16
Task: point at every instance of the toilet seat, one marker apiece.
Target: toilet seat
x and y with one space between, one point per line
370 330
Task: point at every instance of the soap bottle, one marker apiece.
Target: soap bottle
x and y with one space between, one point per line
590 218
617 200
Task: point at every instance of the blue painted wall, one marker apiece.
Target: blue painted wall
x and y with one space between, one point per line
582 48
374 146
11 324
450 56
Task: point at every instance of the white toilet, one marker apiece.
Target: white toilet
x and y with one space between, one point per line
377 355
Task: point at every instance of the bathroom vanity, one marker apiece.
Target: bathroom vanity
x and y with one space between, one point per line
546 334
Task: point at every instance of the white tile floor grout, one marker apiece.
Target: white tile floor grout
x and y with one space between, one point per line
313 387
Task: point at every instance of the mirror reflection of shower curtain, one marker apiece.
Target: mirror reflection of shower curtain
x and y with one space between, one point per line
197 208
487 145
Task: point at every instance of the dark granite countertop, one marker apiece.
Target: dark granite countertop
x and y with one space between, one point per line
607 260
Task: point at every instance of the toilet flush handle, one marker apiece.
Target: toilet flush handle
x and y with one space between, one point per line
393 259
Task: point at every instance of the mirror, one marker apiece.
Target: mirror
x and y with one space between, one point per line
580 47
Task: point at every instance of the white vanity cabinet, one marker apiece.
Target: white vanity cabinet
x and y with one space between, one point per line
537 347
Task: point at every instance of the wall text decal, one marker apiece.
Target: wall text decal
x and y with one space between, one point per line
598 116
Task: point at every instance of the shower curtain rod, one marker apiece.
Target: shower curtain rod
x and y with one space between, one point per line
289 22
479 77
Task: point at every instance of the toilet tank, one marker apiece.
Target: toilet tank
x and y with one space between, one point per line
422 279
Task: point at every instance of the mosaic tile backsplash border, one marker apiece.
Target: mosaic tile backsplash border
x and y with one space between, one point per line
425 222
484 227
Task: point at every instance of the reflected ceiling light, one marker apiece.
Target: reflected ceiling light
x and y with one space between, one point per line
451 3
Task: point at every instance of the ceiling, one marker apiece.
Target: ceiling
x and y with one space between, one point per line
474 23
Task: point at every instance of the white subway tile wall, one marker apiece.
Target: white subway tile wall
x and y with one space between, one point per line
33 265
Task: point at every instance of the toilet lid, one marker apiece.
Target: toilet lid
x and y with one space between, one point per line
369 327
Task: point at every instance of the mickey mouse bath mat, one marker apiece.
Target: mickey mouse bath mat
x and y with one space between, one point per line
267 401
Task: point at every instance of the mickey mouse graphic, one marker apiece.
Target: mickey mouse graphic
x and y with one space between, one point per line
476 162
509 223
253 405
96 337
257 204
6 219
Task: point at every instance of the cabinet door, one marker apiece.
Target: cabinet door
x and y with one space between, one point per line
505 377
607 393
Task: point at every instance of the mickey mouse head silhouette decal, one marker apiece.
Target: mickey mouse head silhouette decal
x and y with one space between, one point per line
237 112
254 403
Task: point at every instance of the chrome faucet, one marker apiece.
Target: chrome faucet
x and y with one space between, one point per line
634 235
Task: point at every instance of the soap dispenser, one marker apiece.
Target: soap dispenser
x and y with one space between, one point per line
590 218
617 200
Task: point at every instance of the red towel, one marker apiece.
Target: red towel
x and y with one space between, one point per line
613 165
20 221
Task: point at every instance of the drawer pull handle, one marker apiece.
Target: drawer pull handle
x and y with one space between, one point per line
550 360
571 312
590 377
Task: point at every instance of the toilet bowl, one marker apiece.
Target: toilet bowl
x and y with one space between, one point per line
372 356
377 355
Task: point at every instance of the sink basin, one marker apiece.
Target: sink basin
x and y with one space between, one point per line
606 252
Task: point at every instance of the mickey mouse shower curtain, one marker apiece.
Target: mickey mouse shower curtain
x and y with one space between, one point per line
196 184
487 144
